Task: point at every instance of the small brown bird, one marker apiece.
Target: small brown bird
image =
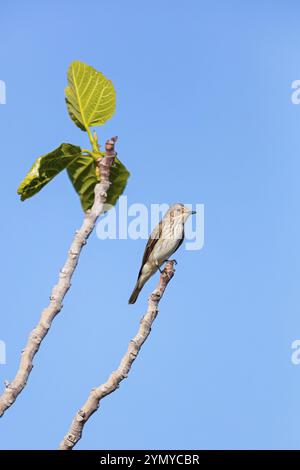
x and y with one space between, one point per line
165 239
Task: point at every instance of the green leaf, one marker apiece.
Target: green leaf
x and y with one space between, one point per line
83 176
46 168
90 96
118 177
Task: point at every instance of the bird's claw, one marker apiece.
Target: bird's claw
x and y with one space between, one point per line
171 261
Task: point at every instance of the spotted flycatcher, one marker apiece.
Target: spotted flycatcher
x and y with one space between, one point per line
165 239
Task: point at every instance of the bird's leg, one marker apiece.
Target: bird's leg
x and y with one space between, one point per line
158 267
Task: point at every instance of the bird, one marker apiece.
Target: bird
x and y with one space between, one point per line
164 240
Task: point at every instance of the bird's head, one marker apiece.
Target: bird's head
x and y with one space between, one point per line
180 212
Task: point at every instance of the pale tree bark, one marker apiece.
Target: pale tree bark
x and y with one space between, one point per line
92 404
14 388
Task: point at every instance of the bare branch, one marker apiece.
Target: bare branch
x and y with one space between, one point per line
116 377
14 388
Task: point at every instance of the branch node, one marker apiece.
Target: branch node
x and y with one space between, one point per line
133 341
81 415
155 296
71 438
36 338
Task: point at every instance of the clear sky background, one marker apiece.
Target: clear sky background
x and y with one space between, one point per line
204 115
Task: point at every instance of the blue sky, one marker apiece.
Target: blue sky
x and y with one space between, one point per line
204 115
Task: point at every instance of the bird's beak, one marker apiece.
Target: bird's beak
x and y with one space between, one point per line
193 212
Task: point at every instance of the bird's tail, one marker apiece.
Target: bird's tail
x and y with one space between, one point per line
135 293
142 279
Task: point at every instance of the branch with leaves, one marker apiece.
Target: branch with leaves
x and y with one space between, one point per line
97 394
98 177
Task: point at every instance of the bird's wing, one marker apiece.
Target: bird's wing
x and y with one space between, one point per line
150 244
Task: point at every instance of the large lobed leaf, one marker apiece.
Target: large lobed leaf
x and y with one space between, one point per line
46 168
83 176
81 170
90 96
118 177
